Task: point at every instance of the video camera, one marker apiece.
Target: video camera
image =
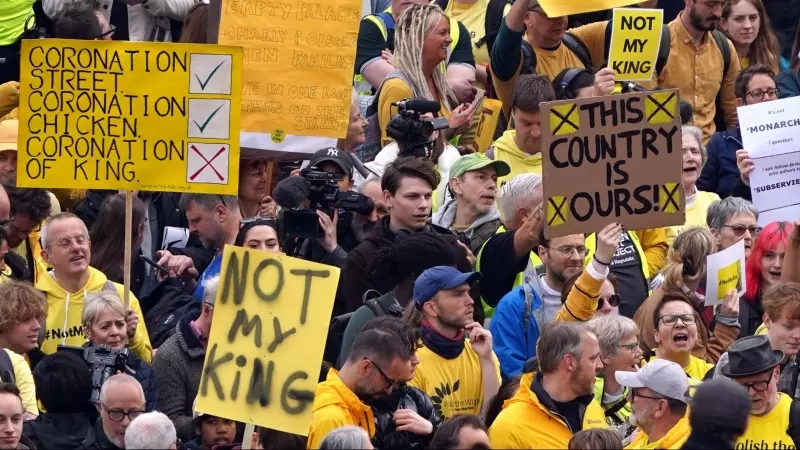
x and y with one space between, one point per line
103 361
412 134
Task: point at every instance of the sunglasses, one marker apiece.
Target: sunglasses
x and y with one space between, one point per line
613 300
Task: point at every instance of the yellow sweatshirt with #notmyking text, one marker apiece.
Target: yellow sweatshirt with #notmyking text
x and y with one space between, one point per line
506 149
64 311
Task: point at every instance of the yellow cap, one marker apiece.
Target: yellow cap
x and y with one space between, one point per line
9 132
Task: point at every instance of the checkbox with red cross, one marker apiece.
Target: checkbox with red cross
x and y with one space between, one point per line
207 163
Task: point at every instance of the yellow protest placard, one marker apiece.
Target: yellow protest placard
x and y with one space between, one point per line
558 8
729 277
299 57
635 41
271 318
129 115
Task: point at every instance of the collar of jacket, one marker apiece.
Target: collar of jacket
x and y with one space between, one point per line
382 232
351 400
547 402
440 344
186 337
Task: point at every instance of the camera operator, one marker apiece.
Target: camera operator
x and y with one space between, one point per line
103 323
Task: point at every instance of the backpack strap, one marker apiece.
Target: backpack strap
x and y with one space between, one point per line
526 316
6 367
724 48
663 50
794 415
579 49
528 59
372 304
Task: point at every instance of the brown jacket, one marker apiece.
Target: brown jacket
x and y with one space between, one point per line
709 347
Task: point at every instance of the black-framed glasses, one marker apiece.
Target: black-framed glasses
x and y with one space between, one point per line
739 230
7 222
759 94
634 394
759 386
613 300
393 384
629 347
108 34
118 415
671 319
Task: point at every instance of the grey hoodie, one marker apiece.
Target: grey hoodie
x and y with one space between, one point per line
551 301
481 229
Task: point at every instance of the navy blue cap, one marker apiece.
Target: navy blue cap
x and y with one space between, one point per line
438 278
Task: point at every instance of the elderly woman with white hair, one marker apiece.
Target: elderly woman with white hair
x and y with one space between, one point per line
104 326
618 337
346 438
697 201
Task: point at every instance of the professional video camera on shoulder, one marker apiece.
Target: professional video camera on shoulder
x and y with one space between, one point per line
325 185
103 361
414 135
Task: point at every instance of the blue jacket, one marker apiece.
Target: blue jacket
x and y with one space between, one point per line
720 174
789 84
514 339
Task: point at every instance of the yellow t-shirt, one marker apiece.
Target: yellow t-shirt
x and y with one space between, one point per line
474 19
769 431
454 385
696 369
695 214
395 90
24 381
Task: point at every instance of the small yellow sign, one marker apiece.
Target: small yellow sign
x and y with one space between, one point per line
729 277
557 210
635 41
661 107
129 115
565 119
668 199
271 318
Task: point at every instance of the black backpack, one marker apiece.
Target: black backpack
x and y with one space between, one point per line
6 368
380 306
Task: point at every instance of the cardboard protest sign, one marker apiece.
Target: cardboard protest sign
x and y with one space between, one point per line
635 41
271 318
299 57
612 159
558 8
769 133
129 115
725 272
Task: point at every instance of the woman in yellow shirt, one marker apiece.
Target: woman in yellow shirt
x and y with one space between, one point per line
746 24
422 39
697 202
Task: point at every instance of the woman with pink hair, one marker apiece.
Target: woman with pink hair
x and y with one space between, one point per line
762 270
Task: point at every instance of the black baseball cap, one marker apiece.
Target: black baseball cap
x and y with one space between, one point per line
334 155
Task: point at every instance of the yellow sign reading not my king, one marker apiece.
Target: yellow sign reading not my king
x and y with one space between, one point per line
129 115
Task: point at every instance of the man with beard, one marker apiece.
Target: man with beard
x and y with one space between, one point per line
472 214
379 363
121 401
556 402
457 368
659 398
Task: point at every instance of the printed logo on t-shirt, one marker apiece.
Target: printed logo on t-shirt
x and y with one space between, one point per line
626 254
763 445
440 399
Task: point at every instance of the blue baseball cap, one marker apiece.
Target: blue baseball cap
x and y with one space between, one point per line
438 278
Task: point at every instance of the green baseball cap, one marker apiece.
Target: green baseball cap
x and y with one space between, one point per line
475 161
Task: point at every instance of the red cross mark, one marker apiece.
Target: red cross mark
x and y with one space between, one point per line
208 163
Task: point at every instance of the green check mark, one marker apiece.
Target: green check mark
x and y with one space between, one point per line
203 126
203 85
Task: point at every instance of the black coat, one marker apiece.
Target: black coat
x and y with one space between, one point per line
96 438
407 397
58 430
164 307
698 441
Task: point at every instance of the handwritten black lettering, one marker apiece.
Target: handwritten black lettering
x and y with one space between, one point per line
247 326
258 277
279 336
210 372
309 275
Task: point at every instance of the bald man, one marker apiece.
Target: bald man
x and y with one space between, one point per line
121 401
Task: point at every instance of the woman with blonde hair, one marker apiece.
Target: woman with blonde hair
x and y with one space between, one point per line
747 25
680 280
104 324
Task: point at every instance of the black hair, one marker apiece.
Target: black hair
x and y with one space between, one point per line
567 83
410 335
63 383
409 167
78 21
666 299
108 235
446 436
266 221
381 346
34 203
410 256
745 76
280 440
9 388
530 90
686 112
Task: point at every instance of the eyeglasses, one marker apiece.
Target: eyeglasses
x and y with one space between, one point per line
392 383
109 33
66 242
634 395
13 229
7 222
759 94
630 347
118 415
671 319
759 386
739 230
613 300
567 250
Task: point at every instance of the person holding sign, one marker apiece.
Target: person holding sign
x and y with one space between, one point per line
747 25
66 247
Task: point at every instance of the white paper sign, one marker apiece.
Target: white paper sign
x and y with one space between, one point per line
771 133
175 237
725 271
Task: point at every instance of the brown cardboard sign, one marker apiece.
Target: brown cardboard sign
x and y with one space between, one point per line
612 159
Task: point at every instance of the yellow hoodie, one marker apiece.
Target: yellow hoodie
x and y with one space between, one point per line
506 149
64 311
335 405
525 422
674 438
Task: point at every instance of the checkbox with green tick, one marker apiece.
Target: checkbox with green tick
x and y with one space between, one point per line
209 118
210 74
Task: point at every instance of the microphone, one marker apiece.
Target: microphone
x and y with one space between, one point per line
290 192
629 86
418 105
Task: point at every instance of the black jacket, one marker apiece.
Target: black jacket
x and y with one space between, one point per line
407 397
705 441
164 307
751 315
96 438
58 430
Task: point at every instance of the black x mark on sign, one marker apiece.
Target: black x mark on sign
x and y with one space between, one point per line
564 119
660 106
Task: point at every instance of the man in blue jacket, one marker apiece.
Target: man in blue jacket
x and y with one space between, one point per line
755 84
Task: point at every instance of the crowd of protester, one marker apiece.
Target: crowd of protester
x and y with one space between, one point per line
457 323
